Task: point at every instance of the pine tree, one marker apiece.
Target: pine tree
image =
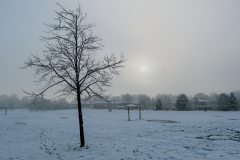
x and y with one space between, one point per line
223 102
181 101
158 104
233 106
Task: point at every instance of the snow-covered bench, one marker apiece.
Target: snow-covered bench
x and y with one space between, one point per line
5 109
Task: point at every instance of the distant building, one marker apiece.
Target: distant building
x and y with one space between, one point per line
103 104
73 104
85 104
202 102
120 107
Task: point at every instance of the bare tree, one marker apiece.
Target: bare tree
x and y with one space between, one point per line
127 97
115 98
143 99
71 62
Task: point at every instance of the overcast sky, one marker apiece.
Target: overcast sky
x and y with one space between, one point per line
185 46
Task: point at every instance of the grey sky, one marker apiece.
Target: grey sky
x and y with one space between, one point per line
186 46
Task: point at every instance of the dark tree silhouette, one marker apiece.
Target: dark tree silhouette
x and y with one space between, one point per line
158 104
70 61
182 101
233 106
223 102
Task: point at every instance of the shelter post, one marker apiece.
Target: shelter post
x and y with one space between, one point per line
139 112
128 115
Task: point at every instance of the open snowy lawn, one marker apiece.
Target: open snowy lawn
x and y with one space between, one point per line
109 135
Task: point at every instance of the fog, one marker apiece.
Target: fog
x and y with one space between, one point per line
172 47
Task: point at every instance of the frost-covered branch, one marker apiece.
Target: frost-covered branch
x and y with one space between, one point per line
70 58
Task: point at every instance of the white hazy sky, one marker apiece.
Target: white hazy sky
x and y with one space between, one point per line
185 46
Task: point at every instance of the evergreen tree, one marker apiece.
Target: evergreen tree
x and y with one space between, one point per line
158 104
182 101
223 102
233 106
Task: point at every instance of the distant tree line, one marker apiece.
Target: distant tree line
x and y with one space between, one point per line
213 101
159 102
13 102
200 101
227 102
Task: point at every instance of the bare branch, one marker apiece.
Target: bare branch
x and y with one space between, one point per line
70 60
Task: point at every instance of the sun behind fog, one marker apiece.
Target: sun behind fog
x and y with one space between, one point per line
144 69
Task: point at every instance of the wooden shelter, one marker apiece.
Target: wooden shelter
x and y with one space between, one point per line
132 106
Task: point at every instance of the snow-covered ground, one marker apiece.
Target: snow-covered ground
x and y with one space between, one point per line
109 135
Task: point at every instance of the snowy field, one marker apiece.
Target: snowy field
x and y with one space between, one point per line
53 135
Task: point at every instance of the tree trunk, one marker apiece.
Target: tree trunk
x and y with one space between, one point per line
82 141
